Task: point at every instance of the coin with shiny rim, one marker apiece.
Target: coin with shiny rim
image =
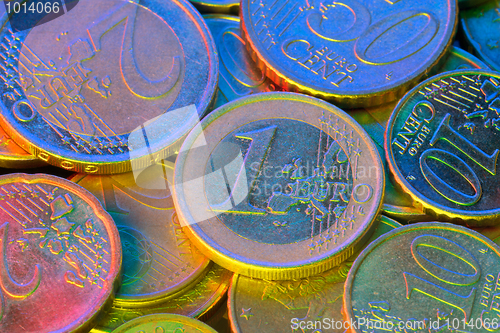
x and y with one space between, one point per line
398 204
159 260
13 156
201 302
354 53
252 302
425 274
61 255
217 6
480 31
238 74
441 146
164 323
110 85
278 186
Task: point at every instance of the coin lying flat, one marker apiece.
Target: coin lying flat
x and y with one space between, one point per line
164 323
13 156
441 146
90 92
398 204
217 6
480 31
238 74
354 53
199 302
278 186
429 276
61 255
159 261
267 306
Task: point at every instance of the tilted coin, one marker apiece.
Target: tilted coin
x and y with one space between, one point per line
217 6
238 74
480 28
160 323
425 277
374 120
268 306
354 53
159 260
60 255
278 186
200 302
110 84
441 146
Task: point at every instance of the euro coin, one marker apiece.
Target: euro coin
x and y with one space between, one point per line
111 85
164 323
278 186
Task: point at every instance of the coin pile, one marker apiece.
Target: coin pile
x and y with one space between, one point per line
255 166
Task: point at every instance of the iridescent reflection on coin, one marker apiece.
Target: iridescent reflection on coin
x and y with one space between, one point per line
480 27
60 255
268 306
441 145
109 83
13 156
200 302
238 74
159 261
217 6
355 53
164 323
398 204
430 276
278 186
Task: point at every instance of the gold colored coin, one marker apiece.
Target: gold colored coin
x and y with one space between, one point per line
164 323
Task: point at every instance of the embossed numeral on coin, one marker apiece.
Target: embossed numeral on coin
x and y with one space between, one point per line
487 162
261 141
125 17
435 248
371 37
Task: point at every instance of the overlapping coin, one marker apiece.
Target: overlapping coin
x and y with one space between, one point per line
278 186
355 53
159 261
202 302
217 6
268 306
109 84
61 255
441 146
425 277
164 323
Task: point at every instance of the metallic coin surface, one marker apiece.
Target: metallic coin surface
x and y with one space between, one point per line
268 306
200 302
217 6
60 255
481 30
15 157
159 261
441 146
238 74
436 276
164 323
110 84
278 186
354 53
398 204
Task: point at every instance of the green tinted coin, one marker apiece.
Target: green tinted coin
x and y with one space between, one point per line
430 276
163 323
481 30
441 146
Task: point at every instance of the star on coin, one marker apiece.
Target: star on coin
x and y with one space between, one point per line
246 313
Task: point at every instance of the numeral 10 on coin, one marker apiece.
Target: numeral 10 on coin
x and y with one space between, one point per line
487 162
459 292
